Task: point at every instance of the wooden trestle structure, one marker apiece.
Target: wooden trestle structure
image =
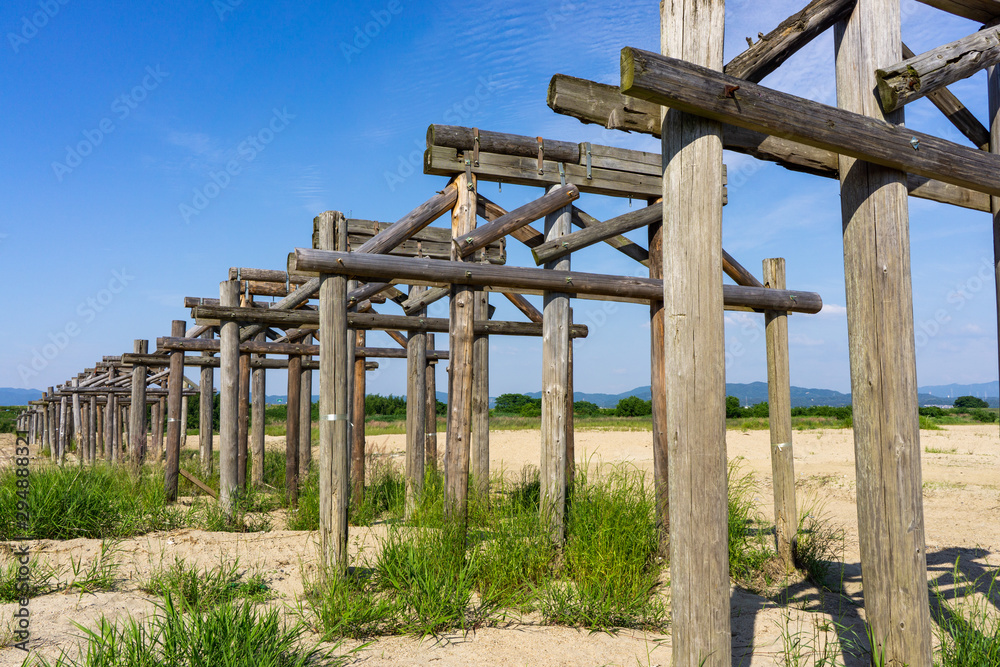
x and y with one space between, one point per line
698 105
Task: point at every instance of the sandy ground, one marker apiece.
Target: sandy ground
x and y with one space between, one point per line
960 497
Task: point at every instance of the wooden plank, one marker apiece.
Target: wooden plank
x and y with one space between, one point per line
555 385
474 239
881 343
137 422
197 482
563 245
258 394
792 34
780 420
695 89
524 279
175 420
592 102
416 418
981 11
956 112
460 337
919 75
694 351
229 397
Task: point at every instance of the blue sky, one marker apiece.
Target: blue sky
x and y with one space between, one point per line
122 118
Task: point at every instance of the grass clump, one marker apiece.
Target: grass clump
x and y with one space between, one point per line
751 558
200 590
969 631
96 502
351 605
39 580
248 515
819 545
234 634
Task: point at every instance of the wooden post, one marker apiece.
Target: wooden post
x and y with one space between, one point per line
83 447
63 428
110 413
993 84
780 419
358 436
156 424
570 431
883 361
555 379
229 400
430 419
100 445
480 449
77 422
305 418
175 420
292 429
258 396
92 431
206 411
137 421
460 336
244 422
658 389
333 414
45 423
416 416
184 418
692 30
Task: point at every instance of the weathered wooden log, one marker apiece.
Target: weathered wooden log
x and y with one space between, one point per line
91 431
258 397
229 399
701 91
197 482
430 411
412 222
780 420
242 454
175 420
592 102
358 417
479 449
77 423
916 77
555 377
137 425
620 243
524 306
521 279
784 41
420 299
883 367
694 351
478 238
363 321
416 419
305 417
206 409
292 430
573 241
981 11
392 353
156 426
658 395
464 139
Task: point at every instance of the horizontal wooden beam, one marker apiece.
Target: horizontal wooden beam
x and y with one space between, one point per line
704 92
523 279
592 102
920 75
982 11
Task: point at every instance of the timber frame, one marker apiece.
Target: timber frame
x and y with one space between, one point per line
330 291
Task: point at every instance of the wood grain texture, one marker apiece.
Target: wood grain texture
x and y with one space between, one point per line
691 88
174 417
780 419
358 417
658 391
412 222
258 395
555 384
416 417
881 345
430 410
480 447
242 454
206 411
305 416
694 352
917 76
292 430
137 422
981 11
993 92
229 399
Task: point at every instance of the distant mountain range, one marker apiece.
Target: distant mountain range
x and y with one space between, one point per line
753 392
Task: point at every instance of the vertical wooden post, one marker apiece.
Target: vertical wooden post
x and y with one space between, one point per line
259 398
206 411
175 420
692 30
993 85
77 421
555 377
416 412
305 418
883 360
570 432
780 419
229 401
292 429
430 414
184 417
110 414
658 388
156 426
45 422
480 449
358 417
137 421
92 431
63 428
100 445
244 422
83 448
460 337
333 412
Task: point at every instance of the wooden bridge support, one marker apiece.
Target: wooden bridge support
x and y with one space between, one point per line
883 362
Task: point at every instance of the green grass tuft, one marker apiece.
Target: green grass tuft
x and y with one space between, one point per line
204 589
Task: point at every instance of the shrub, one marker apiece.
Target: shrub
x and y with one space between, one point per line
970 402
633 406
586 409
513 403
